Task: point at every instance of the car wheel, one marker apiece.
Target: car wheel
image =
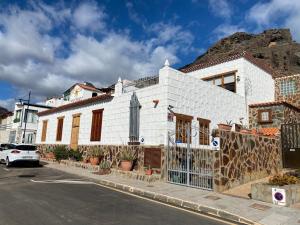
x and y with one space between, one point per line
7 162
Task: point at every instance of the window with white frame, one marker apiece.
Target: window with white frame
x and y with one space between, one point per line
287 87
265 116
30 116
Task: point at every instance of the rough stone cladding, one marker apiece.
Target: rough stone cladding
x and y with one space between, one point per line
280 114
292 99
243 158
112 152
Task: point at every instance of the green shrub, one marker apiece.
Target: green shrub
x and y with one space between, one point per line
104 164
127 155
60 153
282 180
75 155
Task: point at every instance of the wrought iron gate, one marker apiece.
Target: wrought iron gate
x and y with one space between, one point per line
290 140
186 164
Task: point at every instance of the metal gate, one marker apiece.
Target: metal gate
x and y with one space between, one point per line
186 164
290 140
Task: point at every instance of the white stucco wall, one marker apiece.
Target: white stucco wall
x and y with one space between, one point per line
115 124
189 95
262 83
194 97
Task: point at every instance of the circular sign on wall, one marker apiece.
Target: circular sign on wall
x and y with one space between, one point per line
279 196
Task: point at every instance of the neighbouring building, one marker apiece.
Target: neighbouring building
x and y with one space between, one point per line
24 124
76 92
5 126
272 114
269 116
288 89
144 111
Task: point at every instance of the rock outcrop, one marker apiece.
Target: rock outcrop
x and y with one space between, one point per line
274 47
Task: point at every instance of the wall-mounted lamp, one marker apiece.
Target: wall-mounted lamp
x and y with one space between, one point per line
238 78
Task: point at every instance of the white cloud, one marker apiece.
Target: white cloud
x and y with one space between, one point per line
220 8
88 16
286 13
29 58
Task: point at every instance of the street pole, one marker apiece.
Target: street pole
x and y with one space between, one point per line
26 116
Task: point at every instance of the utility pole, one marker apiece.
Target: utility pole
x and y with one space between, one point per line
26 116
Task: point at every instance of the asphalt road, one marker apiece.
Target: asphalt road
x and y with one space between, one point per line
23 201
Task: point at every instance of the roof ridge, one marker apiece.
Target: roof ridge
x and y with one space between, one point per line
75 104
245 54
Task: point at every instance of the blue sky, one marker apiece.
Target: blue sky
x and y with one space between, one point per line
46 46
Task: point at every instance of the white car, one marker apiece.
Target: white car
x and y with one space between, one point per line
10 153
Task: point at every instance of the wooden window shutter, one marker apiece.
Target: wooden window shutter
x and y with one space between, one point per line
60 124
203 131
183 122
96 125
44 130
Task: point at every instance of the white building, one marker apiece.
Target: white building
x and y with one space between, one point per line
76 92
198 96
25 122
6 119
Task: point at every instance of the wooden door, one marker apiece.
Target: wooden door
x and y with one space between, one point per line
75 132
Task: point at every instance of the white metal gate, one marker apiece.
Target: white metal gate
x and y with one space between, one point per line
188 165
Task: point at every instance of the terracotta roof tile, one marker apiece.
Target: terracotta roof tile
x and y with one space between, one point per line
243 54
262 104
269 131
76 104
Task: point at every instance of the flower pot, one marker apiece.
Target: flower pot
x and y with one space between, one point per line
223 126
104 171
126 165
94 161
86 160
50 155
149 172
244 131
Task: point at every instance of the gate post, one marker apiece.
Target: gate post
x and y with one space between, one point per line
188 146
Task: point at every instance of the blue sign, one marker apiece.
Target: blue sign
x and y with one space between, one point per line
215 143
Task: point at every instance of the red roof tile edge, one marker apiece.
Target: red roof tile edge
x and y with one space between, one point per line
76 104
274 103
243 54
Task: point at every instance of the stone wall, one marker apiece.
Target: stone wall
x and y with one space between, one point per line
292 99
243 158
281 113
277 116
112 152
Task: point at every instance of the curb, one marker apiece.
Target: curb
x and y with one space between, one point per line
187 205
191 206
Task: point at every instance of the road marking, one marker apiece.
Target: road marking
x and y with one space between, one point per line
70 181
66 181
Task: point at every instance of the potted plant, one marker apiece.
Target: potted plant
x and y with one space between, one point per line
95 155
127 156
75 155
85 157
104 167
148 171
227 126
61 153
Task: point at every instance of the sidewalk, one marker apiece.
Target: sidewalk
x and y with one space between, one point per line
206 202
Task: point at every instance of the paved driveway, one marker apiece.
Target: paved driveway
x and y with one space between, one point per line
24 199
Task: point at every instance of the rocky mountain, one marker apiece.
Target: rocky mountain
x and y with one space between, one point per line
274 47
3 110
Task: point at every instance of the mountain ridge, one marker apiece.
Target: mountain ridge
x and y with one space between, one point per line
274 47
